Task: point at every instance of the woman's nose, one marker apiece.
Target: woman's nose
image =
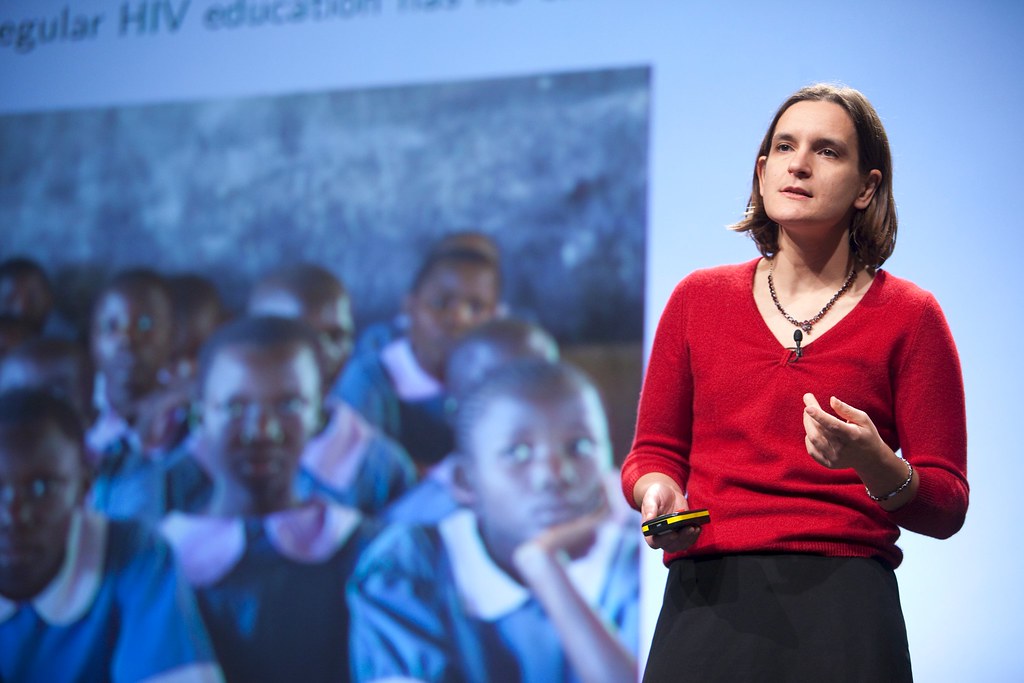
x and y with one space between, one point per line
799 164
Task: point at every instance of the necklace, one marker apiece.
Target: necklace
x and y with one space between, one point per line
806 325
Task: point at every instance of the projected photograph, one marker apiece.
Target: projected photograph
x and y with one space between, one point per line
469 260
552 167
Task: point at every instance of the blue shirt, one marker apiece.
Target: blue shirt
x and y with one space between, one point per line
354 463
271 589
429 501
118 610
429 604
393 393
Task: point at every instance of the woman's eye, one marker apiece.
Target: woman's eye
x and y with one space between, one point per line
829 153
783 147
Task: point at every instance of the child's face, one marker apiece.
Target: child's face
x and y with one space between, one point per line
453 299
331 319
12 333
63 376
25 296
42 483
131 339
189 336
536 462
260 407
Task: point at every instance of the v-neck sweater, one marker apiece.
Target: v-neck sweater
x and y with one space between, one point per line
721 412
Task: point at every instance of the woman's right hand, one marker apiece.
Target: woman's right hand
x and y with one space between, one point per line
660 495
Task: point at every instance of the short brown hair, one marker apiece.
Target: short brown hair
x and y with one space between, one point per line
873 229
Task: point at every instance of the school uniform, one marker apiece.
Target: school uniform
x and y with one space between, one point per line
271 589
429 604
129 481
393 392
355 464
350 462
118 610
429 501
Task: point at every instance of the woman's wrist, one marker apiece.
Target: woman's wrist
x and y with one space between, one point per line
891 482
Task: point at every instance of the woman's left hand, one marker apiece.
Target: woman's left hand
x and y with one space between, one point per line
837 444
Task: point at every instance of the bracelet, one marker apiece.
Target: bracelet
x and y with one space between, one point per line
898 489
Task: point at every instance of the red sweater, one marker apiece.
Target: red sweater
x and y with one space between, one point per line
721 413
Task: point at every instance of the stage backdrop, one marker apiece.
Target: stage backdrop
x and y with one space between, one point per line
541 97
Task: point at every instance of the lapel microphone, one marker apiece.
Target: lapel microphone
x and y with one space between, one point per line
798 337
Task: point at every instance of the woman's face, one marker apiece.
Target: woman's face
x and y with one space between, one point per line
811 180
537 461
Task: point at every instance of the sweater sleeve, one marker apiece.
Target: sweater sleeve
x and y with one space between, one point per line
932 427
665 414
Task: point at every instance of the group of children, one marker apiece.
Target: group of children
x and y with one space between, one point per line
195 495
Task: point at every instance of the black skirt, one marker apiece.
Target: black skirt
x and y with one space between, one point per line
783 617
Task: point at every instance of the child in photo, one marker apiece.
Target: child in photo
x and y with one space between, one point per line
400 388
379 334
268 568
536 580
139 420
60 366
82 598
350 460
482 350
25 293
198 311
14 331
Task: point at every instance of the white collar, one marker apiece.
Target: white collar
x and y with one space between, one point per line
71 593
108 428
412 382
488 593
336 454
209 547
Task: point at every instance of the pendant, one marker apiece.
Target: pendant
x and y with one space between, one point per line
806 327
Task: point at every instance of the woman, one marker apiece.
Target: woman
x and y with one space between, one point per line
814 404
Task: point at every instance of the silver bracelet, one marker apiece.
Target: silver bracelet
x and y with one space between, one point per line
898 489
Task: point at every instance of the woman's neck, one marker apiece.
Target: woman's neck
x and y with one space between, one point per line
801 265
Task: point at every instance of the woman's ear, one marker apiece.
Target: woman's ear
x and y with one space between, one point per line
463 488
867 193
